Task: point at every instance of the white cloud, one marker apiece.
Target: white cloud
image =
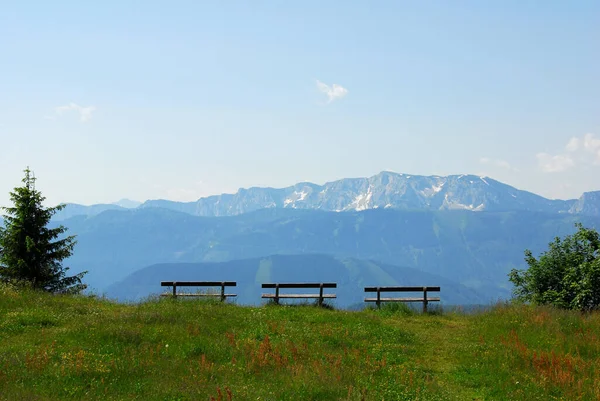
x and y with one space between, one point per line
554 164
591 144
497 163
573 145
85 113
333 92
584 150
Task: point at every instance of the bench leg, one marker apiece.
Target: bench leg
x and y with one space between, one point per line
222 292
277 294
321 295
378 302
425 300
174 290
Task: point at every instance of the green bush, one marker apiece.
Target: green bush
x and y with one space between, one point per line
567 275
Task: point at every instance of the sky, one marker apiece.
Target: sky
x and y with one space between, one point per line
184 99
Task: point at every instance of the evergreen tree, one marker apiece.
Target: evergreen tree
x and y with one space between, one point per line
30 252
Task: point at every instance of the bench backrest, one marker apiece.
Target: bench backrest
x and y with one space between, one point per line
299 285
401 289
198 283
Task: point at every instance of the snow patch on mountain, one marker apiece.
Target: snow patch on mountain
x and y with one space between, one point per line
362 201
466 207
297 197
438 188
434 189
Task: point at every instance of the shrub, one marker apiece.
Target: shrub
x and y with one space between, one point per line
567 275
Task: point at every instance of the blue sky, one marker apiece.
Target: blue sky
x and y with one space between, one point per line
184 99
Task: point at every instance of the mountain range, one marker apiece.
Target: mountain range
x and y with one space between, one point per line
464 232
384 190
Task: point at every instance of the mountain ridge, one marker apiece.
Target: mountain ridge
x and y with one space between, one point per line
384 190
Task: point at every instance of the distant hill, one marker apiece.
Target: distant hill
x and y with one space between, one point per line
74 209
127 203
473 249
352 275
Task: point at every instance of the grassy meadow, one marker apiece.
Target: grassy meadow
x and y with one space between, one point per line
61 347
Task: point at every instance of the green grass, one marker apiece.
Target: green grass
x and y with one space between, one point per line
60 347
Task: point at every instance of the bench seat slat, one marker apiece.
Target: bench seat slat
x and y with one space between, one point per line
198 283
298 296
299 285
401 289
433 299
169 294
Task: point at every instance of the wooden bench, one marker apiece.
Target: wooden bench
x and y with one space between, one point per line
320 296
425 299
176 284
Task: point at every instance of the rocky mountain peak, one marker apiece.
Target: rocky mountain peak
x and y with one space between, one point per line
384 190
